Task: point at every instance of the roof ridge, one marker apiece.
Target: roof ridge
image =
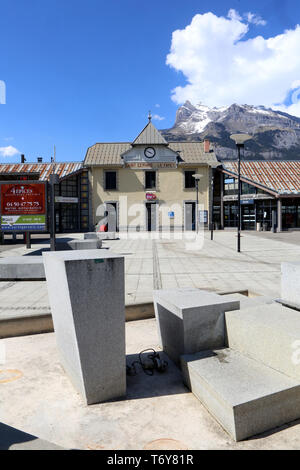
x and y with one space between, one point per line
155 139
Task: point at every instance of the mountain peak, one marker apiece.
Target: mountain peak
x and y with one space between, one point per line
275 134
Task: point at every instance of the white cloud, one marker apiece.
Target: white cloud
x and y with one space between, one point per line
157 117
9 151
157 105
222 67
255 19
234 15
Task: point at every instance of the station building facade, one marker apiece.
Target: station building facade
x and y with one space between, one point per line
148 183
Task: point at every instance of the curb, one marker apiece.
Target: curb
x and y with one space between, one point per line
37 324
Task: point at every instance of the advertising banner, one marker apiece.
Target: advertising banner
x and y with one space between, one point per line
23 206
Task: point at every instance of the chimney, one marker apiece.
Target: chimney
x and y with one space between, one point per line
23 159
206 145
40 159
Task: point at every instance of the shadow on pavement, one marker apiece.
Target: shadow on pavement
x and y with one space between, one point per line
142 385
14 439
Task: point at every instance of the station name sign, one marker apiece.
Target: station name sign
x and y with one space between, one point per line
147 165
23 206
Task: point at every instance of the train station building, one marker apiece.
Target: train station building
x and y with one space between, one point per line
153 180
149 185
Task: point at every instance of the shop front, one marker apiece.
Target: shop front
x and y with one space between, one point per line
269 201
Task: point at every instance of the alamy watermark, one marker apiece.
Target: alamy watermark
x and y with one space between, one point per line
2 92
142 221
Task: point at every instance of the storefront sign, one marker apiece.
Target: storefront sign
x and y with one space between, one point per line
150 196
247 201
23 206
66 200
23 222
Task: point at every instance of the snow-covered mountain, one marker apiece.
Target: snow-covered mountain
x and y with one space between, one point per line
276 135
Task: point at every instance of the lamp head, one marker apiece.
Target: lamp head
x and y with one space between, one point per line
197 176
240 139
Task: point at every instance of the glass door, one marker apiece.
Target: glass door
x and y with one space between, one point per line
248 217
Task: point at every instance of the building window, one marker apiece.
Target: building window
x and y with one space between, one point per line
248 188
69 187
110 180
150 179
230 186
189 180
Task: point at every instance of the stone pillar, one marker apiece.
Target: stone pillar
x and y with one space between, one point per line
279 215
86 294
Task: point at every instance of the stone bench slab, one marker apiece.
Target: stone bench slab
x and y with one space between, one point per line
91 244
22 268
267 333
244 396
290 284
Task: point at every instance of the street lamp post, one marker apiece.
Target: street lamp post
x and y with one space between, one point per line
197 177
240 140
212 209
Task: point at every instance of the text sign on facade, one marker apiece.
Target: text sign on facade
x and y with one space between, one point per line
23 206
203 217
146 165
66 200
247 201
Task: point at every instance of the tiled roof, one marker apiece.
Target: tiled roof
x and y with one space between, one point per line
106 154
149 136
193 152
282 177
44 169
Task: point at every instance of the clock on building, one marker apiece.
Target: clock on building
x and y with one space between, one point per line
149 152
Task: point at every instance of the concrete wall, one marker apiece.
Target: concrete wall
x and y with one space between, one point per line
169 191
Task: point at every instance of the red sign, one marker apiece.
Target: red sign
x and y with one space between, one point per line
150 196
23 198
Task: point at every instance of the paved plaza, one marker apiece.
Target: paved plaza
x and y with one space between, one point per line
161 264
38 398
159 412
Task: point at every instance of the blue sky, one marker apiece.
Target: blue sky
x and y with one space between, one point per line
79 72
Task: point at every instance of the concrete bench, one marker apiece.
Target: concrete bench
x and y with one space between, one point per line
290 284
99 235
22 268
267 333
90 236
91 244
87 300
245 396
190 320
